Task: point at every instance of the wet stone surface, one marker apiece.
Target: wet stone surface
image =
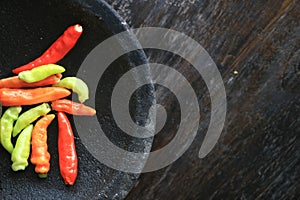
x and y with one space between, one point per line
255 45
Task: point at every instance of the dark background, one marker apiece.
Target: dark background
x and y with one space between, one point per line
257 156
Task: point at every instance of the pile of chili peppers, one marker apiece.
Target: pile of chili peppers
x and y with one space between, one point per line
39 83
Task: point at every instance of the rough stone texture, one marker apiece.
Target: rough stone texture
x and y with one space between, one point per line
27 28
257 156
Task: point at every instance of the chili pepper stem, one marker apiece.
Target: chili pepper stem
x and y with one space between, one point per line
42 175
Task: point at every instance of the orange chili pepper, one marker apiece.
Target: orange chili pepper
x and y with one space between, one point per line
57 50
71 107
68 161
18 97
40 156
15 82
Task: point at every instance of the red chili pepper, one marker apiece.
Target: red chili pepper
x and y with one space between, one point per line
15 82
19 97
73 108
40 156
57 50
68 161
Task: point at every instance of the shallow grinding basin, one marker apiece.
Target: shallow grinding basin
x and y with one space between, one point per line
27 29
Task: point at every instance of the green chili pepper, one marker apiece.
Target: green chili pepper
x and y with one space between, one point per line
30 116
7 120
77 86
21 152
40 73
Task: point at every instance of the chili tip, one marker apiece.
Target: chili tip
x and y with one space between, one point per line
78 28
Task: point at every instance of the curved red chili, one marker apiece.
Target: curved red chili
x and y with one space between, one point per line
57 50
68 161
73 108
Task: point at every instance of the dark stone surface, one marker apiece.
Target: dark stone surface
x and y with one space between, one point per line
27 29
257 156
